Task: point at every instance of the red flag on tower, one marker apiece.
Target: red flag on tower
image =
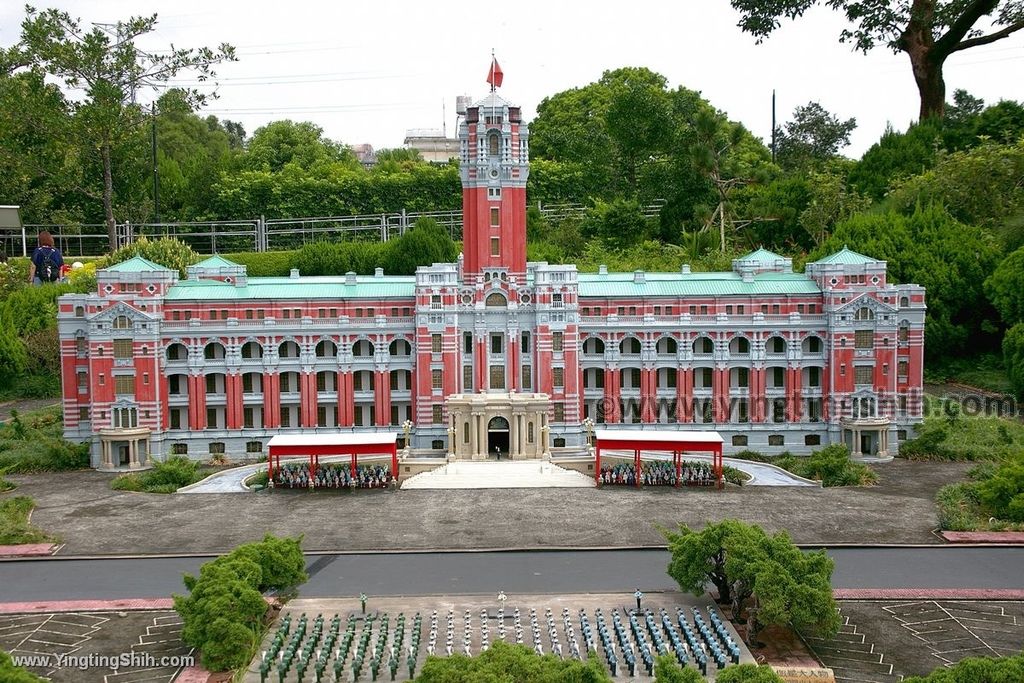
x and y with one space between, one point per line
495 75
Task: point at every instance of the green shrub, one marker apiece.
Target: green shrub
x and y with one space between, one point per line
166 251
958 505
264 264
14 525
7 485
749 673
261 478
949 434
33 443
127 482
15 674
735 476
425 244
1013 358
1001 490
224 612
977 670
830 465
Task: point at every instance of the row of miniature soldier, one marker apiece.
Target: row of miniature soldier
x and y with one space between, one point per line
658 474
332 476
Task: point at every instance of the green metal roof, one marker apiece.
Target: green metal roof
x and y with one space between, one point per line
762 255
368 287
215 261
694 284
846 256
137 264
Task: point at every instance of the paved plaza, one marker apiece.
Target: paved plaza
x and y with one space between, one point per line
145 638
76 506
415 627
883 641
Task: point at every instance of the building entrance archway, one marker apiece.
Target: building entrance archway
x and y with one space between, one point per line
498 436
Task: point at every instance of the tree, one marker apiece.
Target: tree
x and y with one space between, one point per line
505 662
813 137
712 156
289 143
620 222
832 200
897 155
748 673
1013 358
929 31
980 669
107 65
1005 288
699 558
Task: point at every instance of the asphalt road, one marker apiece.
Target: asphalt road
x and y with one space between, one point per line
519 572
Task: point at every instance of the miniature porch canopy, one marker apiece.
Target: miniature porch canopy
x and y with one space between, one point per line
672 441
316 445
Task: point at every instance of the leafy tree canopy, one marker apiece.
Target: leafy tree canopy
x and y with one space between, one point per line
814 136
1013 358
987 669
1005 288
301 144
929 31
748 673
503 662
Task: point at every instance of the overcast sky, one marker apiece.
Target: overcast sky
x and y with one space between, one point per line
367 71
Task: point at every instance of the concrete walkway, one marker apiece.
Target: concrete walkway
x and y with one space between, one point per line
511 474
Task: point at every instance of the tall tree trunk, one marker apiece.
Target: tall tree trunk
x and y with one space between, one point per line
931 86
108 196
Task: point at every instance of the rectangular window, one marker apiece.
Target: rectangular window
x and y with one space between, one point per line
249 314
559 412
778 377
179 449
775 309
800 308
467 343
247 416
83 380
435 343
436 380
253 447
558 377
497 344
863 374
557 339
703 310
321 416
321 381
81 346
739 440
286 416
83 414
812 440
436 414
495 217
395 417
495 247
776 440
524 345
527 377
467 378
497 377
175 419
814 377
903 368
216 448
864 339
124 384
728 309
287 314
211 418
123 348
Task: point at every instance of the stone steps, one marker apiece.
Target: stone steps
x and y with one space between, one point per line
467 474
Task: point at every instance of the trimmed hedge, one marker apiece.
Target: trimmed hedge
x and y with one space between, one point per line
224 612
165 477
830 465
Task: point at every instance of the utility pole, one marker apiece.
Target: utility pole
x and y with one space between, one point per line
156 172
773 125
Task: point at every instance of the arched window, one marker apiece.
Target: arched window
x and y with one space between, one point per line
630 346
739 346
400 347
593 346
288 349
775 346
904 302
495 300
122 322
326 349
214 351
812 344
177 352
252 350
703 345
667 346
494 144
362 348
79 311
864 313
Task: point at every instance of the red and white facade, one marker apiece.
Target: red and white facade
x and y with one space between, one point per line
491 352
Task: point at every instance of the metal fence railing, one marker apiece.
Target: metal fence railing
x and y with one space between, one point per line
259 234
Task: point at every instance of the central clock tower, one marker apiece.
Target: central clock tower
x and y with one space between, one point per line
494 166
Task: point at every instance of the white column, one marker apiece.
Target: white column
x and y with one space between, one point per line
105 453
133 460
513 436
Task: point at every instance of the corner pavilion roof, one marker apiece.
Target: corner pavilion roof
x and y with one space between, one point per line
215 261
137 264
847 256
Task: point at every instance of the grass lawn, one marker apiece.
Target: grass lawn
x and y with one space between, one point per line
14 525
985 371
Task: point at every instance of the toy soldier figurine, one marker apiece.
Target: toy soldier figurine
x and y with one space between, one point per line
639 596
362 601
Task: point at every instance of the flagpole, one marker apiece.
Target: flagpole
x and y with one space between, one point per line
492 70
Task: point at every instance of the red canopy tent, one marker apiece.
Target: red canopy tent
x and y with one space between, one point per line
315 445
670 440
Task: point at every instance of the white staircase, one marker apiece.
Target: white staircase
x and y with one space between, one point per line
487 474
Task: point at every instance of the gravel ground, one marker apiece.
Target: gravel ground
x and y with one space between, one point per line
90 518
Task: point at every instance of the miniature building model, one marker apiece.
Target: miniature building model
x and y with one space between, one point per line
491 353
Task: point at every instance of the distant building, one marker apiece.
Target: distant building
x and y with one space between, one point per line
365 153
432 145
